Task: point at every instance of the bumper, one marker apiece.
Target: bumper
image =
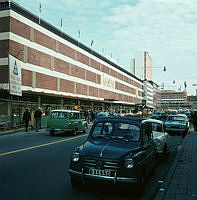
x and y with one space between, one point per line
58 129
114 179
176 130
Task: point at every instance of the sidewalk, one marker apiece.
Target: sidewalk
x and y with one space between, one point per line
21 129
15 130
181 180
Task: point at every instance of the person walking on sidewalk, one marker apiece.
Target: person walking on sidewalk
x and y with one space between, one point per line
37 117
26 118
194 118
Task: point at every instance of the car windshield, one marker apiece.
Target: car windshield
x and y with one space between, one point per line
176 118
116 130
59 114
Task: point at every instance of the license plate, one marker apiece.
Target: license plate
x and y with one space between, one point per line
99 172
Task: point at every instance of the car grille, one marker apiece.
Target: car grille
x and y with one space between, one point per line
175 126
88 163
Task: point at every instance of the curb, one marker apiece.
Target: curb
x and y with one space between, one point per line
11 131
160 195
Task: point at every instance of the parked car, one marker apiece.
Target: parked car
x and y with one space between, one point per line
161 138
117 150
159 116
177 124
102 114
66 121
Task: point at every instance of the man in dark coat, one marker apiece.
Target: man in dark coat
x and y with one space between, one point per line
26 118
37 117
194 118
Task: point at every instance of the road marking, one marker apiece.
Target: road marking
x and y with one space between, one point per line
41 145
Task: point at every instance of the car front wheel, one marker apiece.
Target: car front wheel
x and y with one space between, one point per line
76 182
85 129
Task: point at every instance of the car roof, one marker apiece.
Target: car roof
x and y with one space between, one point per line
182 115
153 120
128 119
70 111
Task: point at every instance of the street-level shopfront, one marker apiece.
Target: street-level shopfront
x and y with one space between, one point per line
12 107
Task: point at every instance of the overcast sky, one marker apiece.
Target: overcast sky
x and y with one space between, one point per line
167 29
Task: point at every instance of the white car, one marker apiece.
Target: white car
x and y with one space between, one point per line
161 138
177 124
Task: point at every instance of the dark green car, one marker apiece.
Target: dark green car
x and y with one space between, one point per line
67 121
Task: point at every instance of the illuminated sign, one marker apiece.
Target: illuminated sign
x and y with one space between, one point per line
107 81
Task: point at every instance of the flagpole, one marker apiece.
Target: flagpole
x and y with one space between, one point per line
39 12
79 35
61 25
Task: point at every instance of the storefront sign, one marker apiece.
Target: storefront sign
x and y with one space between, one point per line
15 76
107 81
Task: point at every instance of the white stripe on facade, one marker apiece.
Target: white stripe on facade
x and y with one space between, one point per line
45 50
56 37
3 61
4 35
5 13
149 94
172 99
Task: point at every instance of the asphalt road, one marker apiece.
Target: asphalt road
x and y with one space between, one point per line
33 166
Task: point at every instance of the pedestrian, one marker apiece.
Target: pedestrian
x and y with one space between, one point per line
26 118
86 115
194 118
37 117
92 114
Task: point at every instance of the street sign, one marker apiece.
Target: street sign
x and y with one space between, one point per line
15 76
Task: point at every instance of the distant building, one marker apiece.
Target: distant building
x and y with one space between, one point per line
143 66
151 94
173 99
192 102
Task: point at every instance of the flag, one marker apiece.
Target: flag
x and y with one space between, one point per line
92 42
40 7
61 22
185 84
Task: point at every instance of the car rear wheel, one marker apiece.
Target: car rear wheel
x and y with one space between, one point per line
75 132
52 132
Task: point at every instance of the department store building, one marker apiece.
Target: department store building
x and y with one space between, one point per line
42 66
